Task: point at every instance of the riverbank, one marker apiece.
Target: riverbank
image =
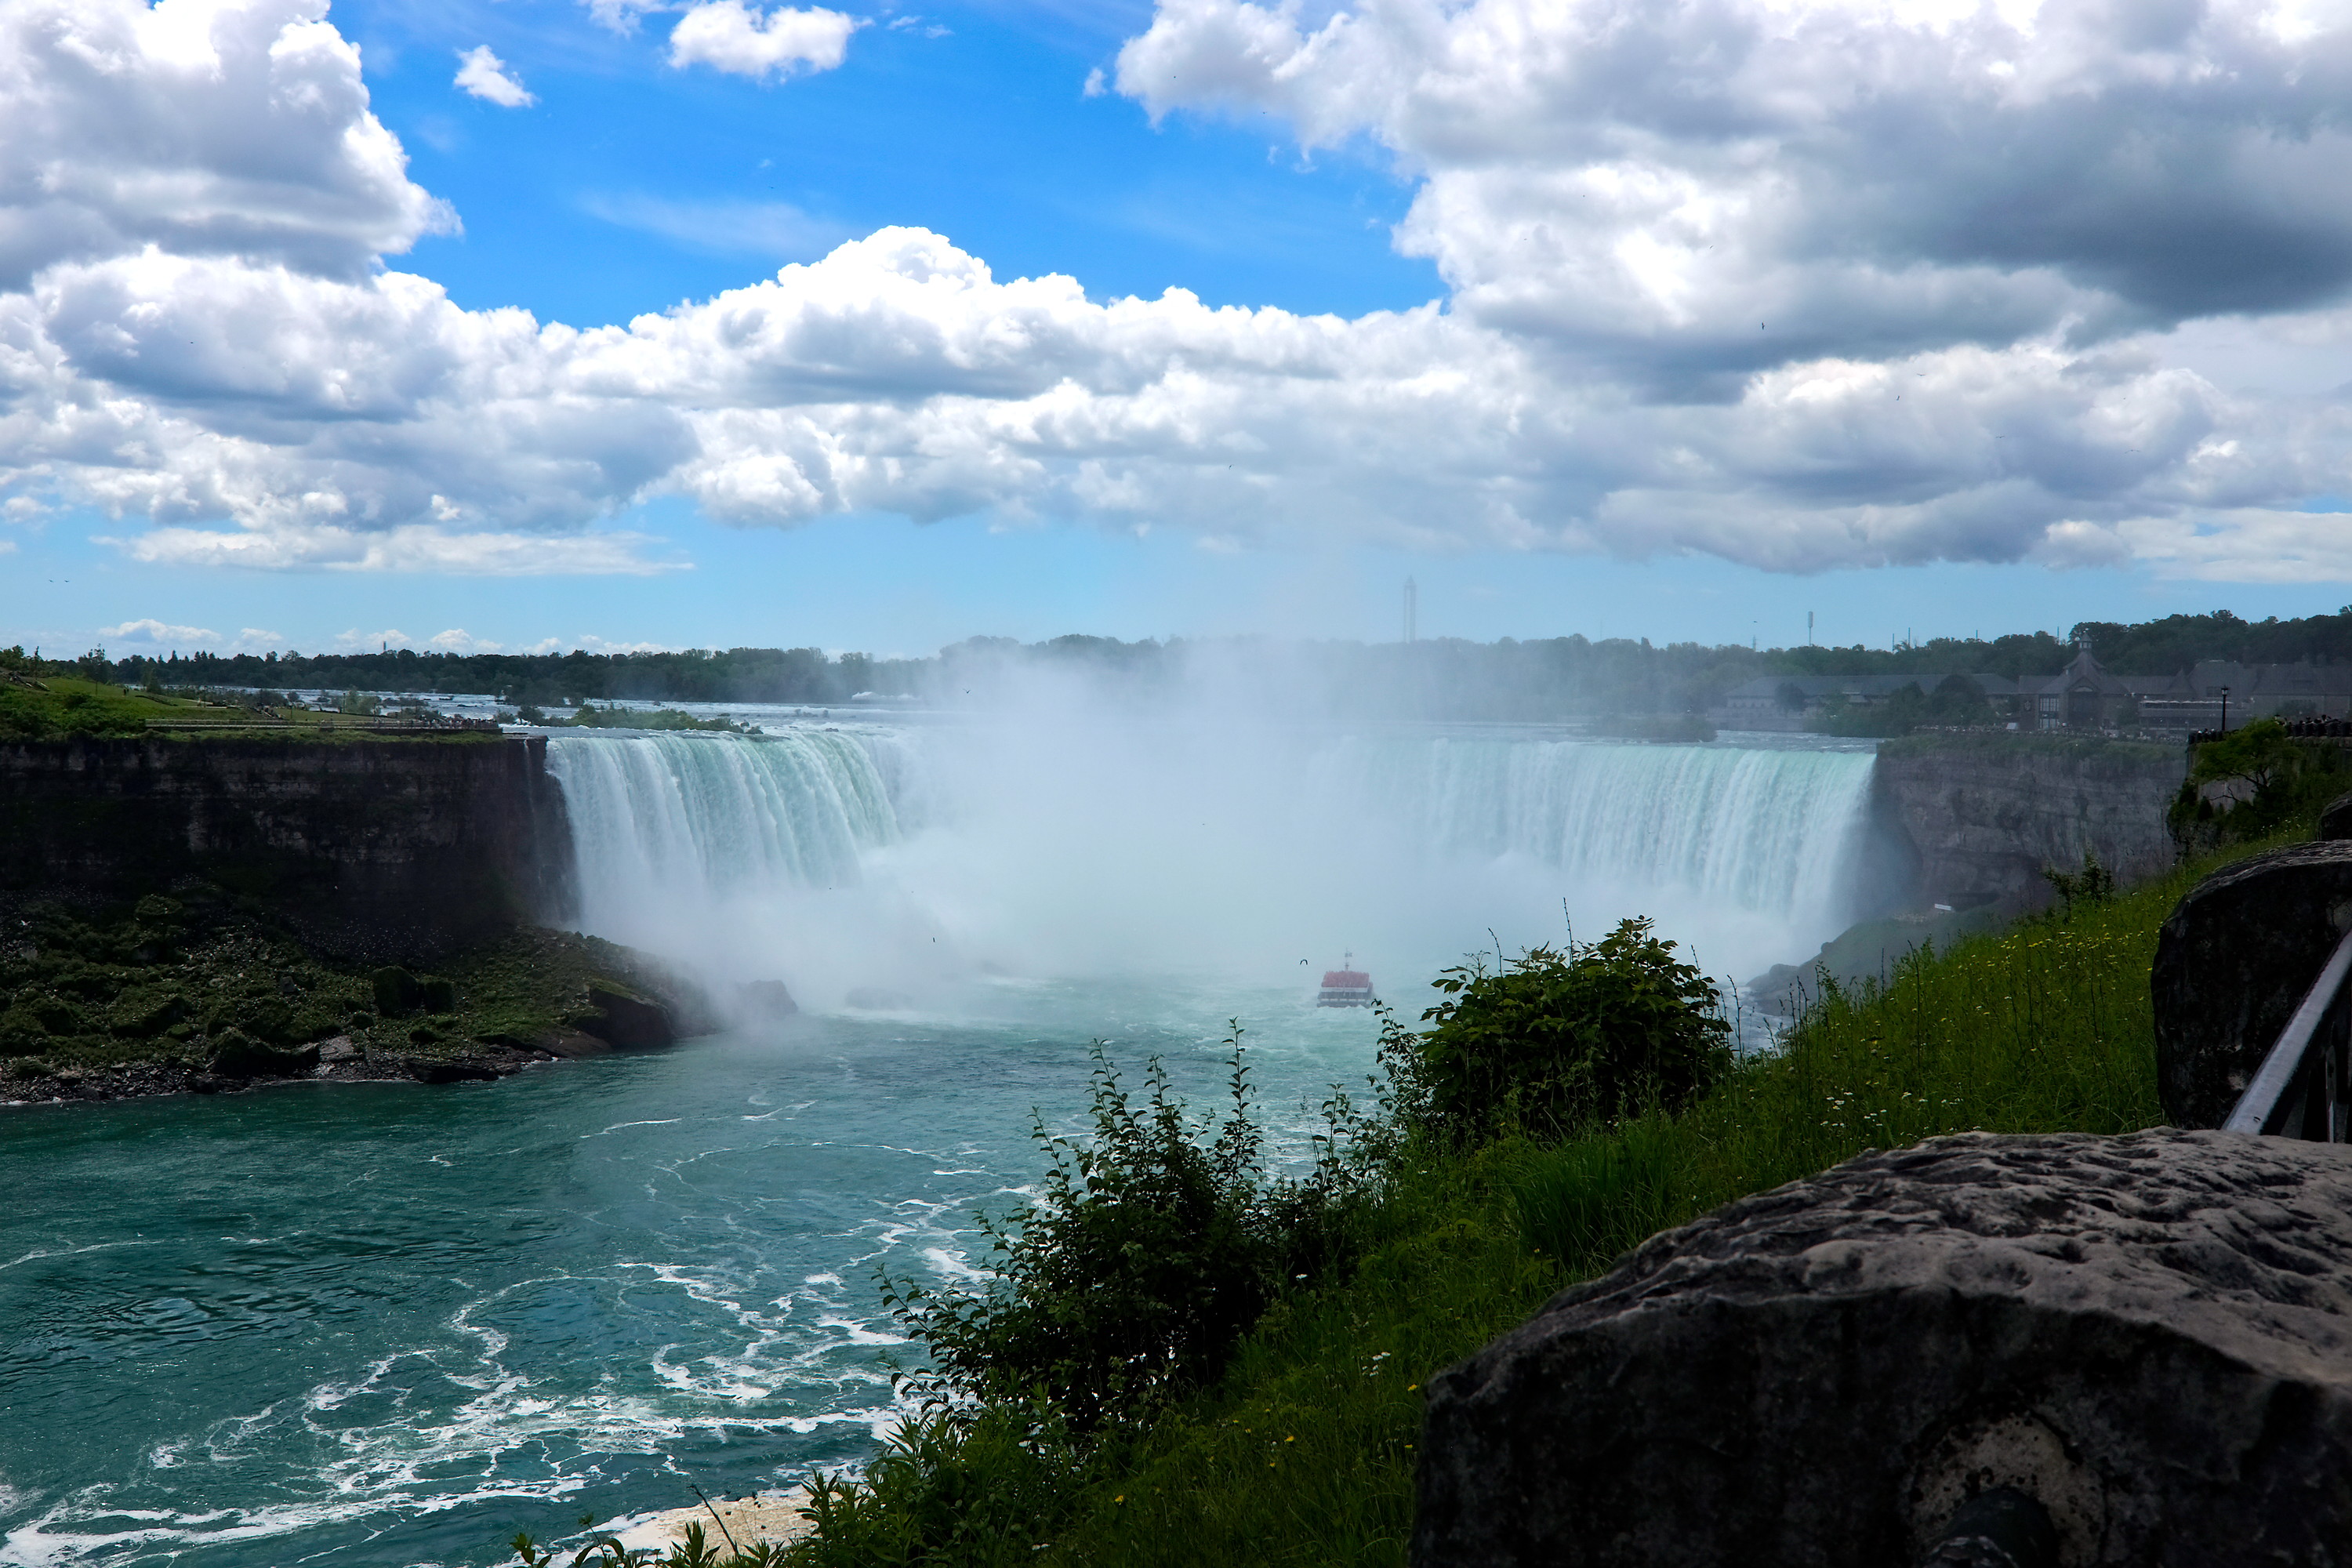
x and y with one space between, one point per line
770 1518
202 993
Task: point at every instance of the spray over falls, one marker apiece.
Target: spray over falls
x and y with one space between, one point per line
850 855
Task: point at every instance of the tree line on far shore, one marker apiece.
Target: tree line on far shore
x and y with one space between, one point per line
1443 678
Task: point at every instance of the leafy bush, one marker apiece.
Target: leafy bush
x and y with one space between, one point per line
2093 884
1149 1255
2268 781
1560 1039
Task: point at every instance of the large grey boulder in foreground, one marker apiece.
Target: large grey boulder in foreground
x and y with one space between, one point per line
2150 1335
2233 963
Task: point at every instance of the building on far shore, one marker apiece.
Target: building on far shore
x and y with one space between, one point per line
2085 695
2193 701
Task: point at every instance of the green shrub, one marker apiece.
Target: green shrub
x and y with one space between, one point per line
2279 781
1129 1281
1560 1039
396 991
21 1033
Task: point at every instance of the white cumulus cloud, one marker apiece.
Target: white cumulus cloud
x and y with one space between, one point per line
210 128
730 36
1800 285
158 633
484 75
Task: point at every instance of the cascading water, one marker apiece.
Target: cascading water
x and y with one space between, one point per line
704 813
861 856
1768 833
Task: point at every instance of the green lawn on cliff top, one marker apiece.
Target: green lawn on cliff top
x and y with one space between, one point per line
49 706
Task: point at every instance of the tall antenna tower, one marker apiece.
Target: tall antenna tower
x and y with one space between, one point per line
1411 611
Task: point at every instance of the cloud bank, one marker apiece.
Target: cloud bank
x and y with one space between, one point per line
1801 286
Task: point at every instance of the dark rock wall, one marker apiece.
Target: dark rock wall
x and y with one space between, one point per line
390 849
2148 1334
1981 822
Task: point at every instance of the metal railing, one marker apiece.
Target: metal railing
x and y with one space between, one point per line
2303 1088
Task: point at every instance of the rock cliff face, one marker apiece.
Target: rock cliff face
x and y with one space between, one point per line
1982 816
2148 1334
387 849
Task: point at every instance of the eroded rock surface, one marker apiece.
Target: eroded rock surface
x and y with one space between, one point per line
1983 820
2233 962
2151 1334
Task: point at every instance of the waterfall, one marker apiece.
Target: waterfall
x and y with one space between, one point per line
1771 832
863 855
704 816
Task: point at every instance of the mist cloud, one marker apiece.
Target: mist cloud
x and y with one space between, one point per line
1799 286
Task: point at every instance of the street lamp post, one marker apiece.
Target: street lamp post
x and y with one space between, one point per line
2225 711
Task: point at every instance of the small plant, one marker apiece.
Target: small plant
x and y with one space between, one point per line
1560 1039
2095 884
606 1552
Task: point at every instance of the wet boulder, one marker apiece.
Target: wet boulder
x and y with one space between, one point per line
2149 1335
763 1000
2233 963
238 1055
622 1018
2336 819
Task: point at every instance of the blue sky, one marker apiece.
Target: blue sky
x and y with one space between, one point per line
1533 398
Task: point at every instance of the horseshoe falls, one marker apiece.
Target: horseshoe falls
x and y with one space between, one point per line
912 860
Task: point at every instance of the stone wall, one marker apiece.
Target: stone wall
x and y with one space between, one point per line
380 848
1980 817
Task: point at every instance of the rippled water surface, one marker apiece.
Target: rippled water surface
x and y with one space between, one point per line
394 1324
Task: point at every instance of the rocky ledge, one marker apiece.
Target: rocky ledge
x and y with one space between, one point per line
2151 1335
202 993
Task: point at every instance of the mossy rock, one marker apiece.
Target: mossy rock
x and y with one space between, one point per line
239 1055
146 1012
155 910
396 991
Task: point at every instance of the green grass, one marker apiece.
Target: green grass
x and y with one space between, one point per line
1303 1452
68 707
